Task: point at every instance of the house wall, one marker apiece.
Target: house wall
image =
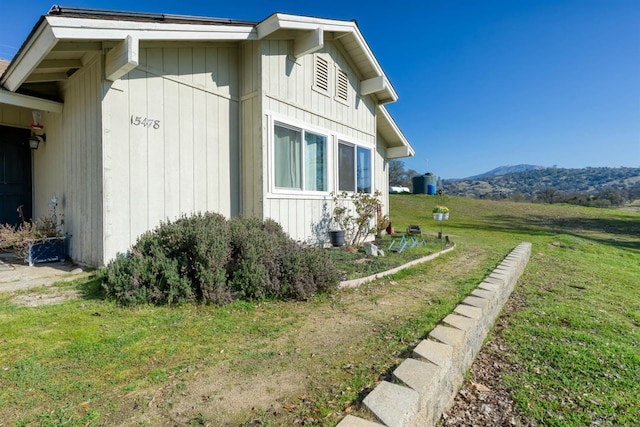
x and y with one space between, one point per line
68 164
381 173
288 95
184 158
252 149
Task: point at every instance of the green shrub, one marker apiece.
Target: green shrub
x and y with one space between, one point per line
306 271
257 252
207 258
135 278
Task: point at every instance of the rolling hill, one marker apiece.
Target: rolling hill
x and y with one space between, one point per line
531 182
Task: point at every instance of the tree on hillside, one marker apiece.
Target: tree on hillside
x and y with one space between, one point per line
398 176
547 195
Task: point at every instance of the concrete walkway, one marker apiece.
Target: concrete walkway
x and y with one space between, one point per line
15 274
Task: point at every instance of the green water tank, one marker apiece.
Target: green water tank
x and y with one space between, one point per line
424 184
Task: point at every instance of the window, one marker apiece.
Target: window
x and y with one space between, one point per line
354 168
321 75
342 86
299 165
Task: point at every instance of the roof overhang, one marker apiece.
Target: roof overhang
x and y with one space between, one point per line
31 102
397 145
60 44
312 32
64 40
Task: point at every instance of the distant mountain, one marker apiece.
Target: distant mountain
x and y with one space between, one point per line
503 170
530 183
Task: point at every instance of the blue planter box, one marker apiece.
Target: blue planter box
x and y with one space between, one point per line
50 249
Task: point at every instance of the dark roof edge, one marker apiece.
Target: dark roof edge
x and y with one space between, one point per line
81 12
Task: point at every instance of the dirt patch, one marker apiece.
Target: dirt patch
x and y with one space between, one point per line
35 299
216 395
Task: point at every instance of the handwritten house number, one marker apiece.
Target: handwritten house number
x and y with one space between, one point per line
146 122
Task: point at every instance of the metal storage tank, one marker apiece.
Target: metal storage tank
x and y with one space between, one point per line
419 184
424 184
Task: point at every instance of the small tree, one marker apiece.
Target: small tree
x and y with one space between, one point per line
356 221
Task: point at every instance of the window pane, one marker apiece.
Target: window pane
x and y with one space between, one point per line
364 170
288 167
346 168
315 166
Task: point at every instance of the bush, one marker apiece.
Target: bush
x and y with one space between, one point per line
307 271
207 258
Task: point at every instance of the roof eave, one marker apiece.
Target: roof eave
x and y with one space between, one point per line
400 145
52 29
281 21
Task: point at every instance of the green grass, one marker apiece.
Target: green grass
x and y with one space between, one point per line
573 344
357 264
576 342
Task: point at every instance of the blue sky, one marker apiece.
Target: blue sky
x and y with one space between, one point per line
481 83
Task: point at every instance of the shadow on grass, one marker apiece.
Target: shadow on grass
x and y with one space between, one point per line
90 288
607 231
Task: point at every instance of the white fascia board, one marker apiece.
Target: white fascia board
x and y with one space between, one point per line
392 94
383 116
31 102
40 44
103 29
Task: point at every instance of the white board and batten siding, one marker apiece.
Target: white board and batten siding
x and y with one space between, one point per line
288 94
171 140
252 148
68 164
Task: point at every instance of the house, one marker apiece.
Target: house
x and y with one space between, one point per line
146 117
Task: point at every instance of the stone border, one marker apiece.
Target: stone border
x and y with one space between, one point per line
354 283
435 373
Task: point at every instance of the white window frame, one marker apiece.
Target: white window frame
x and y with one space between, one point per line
274 120
341 139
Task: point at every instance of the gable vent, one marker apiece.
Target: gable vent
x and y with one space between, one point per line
342 87
322 74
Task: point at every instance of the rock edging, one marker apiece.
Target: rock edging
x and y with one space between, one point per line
354 283
432 376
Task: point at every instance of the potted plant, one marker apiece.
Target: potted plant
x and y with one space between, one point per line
354 218
39 241
440 212
340 220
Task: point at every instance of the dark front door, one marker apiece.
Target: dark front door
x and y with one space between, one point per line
15 174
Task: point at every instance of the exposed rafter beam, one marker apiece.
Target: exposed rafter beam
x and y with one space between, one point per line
53 65
373 85
308 42
399 152
31 102
46 77
77 46
121 59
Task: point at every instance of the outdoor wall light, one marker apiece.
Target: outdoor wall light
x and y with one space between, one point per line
34 140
